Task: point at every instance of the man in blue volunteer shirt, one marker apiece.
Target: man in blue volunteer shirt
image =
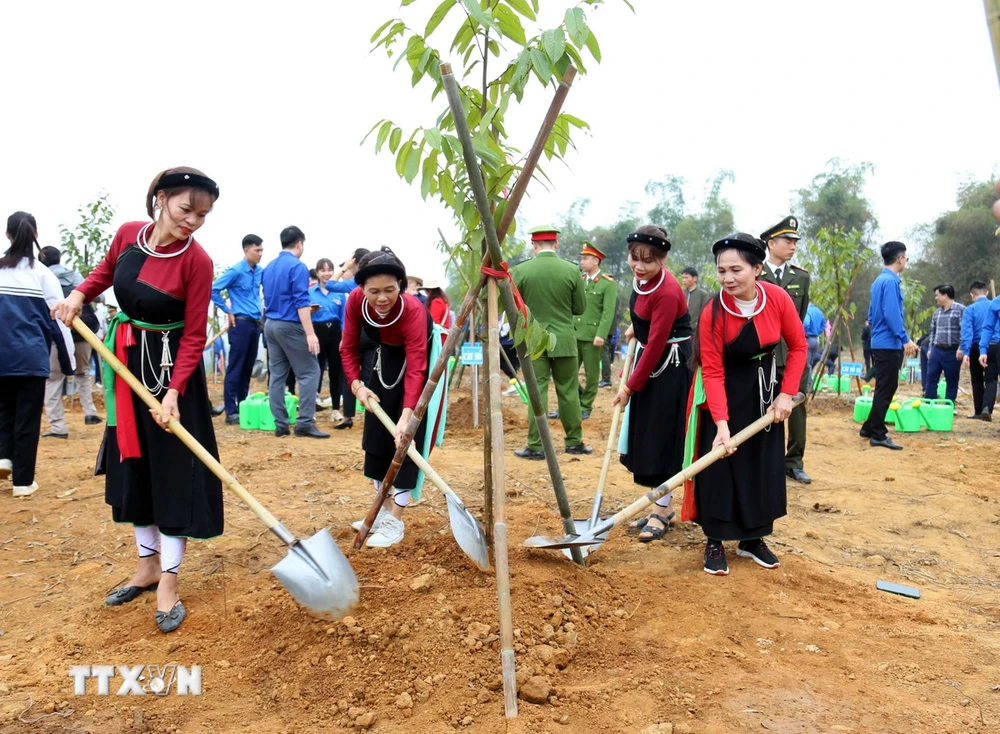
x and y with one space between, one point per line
815 325
989 357
242 286
889 342
973 319
291 340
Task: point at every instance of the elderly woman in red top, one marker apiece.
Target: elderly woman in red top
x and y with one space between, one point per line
740 497
163 281
384 350
652 441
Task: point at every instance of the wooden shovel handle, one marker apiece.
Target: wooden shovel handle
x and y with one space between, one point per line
175 426
376 410
615 417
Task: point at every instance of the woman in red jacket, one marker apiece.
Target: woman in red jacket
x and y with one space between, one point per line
163 281
438 305
739 497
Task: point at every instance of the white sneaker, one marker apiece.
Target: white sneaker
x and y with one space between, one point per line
6 468
25 491
389 533
510 391
325 402
375 525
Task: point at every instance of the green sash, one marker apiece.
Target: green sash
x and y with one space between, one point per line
109 341
691 435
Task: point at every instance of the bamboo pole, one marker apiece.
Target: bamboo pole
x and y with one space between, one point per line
493 242
993 289
485 377
993 23
500 556
517 193
833 328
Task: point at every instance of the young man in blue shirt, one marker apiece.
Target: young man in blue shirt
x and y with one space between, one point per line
973 319
291 340
989 357
890 342
242 284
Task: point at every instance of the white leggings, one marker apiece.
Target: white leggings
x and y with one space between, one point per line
149 541
400 496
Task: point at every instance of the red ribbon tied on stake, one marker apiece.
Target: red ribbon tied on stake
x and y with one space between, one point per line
504 273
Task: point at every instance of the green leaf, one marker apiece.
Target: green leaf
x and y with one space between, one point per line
540 65
575 56
413 163
479 15
408 2
394 139
575 121
428 172
523 8
404 153
576 26
433 137
437 16
367 135
383 133
593 47
381 28
554 43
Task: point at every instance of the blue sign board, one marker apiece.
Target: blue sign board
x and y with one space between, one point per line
912 362
851 369
472 354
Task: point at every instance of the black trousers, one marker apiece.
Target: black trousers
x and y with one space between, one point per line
977 374
511 353
21 401
607 359
328 334
888 362
992 373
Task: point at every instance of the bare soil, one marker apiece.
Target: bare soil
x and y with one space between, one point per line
639 638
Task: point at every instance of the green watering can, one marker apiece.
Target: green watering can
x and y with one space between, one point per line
255 412
862 408
938 415
908 417
942 389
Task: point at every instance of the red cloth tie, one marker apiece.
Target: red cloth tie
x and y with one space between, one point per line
504 273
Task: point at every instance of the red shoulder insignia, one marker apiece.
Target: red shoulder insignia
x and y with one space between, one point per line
608 277
796 267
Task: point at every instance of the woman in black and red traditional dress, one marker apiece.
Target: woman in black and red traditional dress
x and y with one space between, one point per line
385 349
652 440
163 281
739 497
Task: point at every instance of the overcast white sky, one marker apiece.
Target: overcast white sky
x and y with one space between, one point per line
272 100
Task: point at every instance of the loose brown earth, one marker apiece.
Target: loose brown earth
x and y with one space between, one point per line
641 637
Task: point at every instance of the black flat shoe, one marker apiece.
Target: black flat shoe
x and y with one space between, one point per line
579 449
126 594
50 434
527 453
584 415
886 443
799 476
232 420
345 423
554 415
864 434
93 420
281 431
218 410
169 621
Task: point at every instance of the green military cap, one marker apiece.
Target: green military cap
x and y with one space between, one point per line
590 249
544 233
787 227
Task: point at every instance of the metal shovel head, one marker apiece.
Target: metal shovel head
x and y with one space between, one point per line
582 526
557 542
318 576
467 531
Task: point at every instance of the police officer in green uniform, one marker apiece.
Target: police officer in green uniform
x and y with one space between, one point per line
554 292
594 324
781 241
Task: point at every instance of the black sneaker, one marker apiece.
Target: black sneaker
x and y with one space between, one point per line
986 416
757 550
715 559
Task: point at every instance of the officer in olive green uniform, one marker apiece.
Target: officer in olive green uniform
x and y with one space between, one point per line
554 292
594 324
781 241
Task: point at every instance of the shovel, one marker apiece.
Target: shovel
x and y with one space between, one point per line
582 526
464 526
315 571
597 535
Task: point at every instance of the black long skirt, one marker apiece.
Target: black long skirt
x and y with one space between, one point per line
378 443
167 485
739 497
657 422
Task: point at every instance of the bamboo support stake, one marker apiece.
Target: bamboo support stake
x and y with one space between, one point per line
510 308
500 555
489 453
993 23
517 193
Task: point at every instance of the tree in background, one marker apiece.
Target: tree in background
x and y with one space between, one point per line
835 201
960 245
83 246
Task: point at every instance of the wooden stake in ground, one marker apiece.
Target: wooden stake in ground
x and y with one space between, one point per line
500 560
509 305
517 193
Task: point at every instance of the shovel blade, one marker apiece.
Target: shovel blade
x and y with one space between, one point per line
468 532
558 542
582 526
318 576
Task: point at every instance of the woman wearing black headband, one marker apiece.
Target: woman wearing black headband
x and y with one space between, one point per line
652 438
162 280
740 497
386 348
